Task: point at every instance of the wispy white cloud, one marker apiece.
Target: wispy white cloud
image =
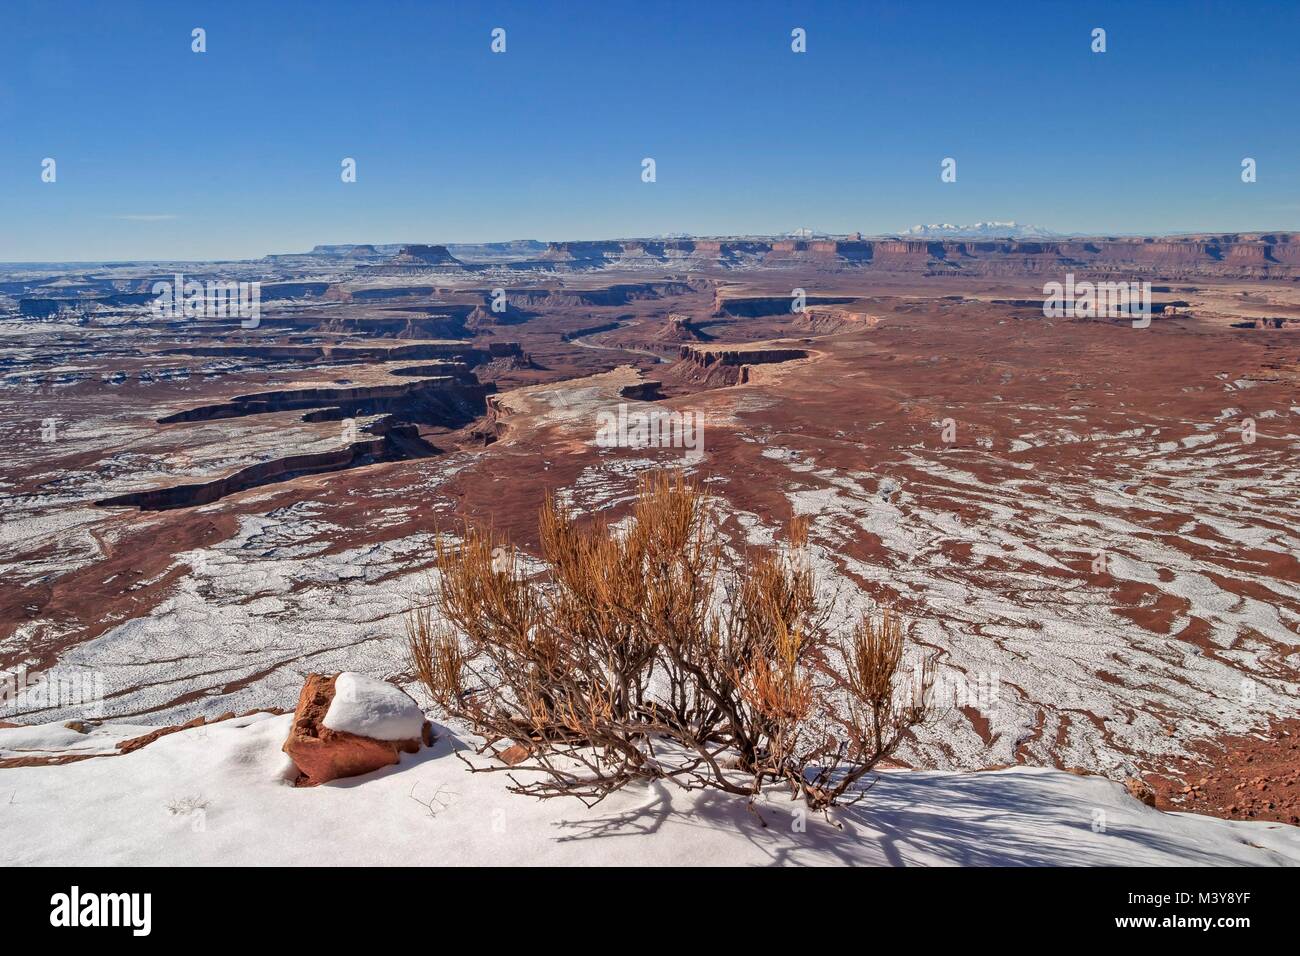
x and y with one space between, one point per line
146 217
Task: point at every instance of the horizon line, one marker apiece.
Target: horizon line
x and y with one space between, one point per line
1049 236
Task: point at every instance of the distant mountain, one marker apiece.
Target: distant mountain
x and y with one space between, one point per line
356 250
472 251
416 256
493 251
981 230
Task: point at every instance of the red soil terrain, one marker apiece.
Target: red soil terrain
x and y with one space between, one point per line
1251 777
1096 520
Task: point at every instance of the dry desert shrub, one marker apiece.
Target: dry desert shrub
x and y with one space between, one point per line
639 653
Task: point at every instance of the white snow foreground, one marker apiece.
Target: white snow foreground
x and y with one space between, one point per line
219 795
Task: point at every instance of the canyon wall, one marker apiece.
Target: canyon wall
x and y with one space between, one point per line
1242 255
704 366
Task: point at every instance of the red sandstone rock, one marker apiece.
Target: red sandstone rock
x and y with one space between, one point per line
322 754
1140 791
679 328
513 755
46 760
135 743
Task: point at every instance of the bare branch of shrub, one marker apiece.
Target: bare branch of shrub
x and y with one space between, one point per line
635 655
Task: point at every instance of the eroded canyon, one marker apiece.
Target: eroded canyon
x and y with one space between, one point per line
1092 524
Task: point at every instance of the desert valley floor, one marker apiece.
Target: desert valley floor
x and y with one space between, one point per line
1094 525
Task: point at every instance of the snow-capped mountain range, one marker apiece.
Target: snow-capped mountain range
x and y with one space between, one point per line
980 230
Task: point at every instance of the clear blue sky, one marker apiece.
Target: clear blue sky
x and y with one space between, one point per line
162 152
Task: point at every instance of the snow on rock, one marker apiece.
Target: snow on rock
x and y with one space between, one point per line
348 724
222 795
373 708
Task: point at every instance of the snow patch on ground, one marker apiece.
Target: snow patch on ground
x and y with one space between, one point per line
221 795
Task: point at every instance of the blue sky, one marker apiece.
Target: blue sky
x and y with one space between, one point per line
165 153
